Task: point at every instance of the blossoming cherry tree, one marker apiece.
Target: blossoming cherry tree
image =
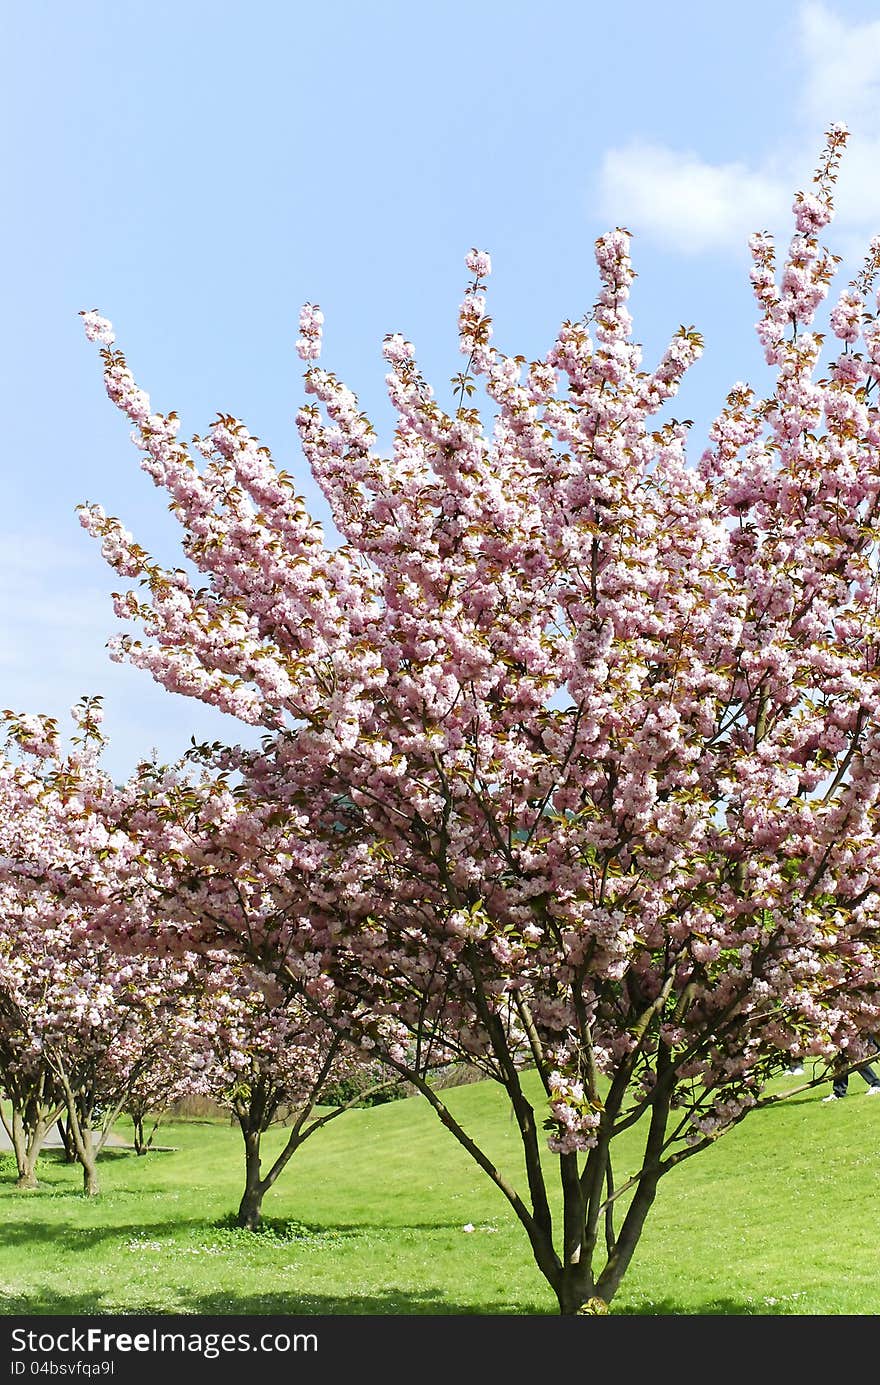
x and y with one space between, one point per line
572 746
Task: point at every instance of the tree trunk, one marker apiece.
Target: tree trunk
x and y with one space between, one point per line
140 1144
67 1141
143 1143
81 1134
572 1281
250 1207
26 1156
91 1184
27 1141
25 1165
575 1293
85 1153
643 1198
618 1261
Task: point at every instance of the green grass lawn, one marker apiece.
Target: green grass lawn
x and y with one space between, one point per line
780 1217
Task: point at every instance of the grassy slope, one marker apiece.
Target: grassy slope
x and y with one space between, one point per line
782 1216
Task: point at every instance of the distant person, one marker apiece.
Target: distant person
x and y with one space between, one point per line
841 1082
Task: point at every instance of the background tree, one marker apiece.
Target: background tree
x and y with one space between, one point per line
28 1083
169 1077
571 755
91 1034
82 1026
268 1059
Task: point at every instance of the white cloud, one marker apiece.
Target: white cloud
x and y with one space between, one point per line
686 202
842 68
693 205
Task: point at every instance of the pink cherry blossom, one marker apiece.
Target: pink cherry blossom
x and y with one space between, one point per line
572 752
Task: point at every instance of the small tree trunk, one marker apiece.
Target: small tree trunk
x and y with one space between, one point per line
26 1155
80 1130
24 1164
250 1207
140 1144
143 1143
27 1141
67 1141
85 1153
91 1184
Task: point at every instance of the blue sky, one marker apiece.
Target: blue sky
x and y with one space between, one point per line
197 170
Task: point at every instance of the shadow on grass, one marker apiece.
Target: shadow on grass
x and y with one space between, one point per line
32 1232
110 1154
274 1231
53 1162
394 1303
60 1177
716 1307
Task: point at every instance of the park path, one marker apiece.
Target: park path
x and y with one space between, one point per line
53 1140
